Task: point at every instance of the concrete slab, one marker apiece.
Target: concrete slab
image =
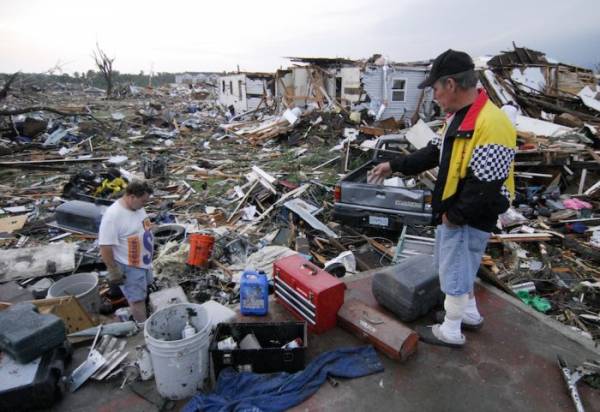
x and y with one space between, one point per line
509 365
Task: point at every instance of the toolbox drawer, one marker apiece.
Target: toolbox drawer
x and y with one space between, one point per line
308 292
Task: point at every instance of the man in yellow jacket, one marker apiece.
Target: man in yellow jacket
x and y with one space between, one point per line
475 184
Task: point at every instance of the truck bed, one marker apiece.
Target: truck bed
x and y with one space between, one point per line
356 191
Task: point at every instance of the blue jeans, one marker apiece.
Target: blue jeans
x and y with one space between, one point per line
457 253
136 283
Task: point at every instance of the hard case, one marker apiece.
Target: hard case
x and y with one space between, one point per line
409 289
35 385
26 334
383 331
308 292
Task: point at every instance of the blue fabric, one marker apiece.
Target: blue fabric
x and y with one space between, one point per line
251 392
458 252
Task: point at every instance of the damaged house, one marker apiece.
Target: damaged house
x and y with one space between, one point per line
245 92
542 88
190 78
319 81
391 90
386 89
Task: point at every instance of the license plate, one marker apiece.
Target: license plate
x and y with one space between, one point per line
378 220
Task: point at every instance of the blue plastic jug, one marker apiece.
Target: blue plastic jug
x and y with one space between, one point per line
254 293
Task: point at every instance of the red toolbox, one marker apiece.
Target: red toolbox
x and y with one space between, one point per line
308 292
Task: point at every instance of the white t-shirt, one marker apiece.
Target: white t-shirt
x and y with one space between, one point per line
128 232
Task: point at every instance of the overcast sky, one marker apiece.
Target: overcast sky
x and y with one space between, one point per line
176 35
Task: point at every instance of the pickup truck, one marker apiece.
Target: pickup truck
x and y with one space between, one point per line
358 203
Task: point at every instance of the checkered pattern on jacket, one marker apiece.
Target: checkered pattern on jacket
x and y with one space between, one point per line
491 162
504 192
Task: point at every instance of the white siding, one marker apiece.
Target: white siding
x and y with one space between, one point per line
255 86
231 95
350 80
372 83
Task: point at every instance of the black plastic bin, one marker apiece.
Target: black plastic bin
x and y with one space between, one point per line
270 358
26 334
36 385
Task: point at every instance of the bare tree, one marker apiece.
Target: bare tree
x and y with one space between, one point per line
104 64
6 88
56 69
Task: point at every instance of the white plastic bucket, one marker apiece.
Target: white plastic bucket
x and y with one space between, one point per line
84 286
180 365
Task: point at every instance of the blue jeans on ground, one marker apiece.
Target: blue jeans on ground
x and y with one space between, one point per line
457 253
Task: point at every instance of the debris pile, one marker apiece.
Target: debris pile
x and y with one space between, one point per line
264 184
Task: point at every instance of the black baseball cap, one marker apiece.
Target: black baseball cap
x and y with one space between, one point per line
447 63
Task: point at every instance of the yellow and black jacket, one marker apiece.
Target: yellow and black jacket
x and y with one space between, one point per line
475 157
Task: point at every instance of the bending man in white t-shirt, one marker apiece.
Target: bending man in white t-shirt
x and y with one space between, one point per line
126 246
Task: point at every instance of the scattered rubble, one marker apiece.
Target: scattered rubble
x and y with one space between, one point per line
263 176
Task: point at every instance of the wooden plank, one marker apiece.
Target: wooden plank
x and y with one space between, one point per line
52 161
520 237
69 310
593 154
372 131
582 181
11 223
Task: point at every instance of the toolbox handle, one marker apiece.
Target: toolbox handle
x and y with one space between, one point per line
373 321
313 270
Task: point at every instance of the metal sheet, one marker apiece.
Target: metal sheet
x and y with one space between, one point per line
302 209
94 361
14 374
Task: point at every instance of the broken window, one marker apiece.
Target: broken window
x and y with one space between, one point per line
240 88
223 86
398 90
230 87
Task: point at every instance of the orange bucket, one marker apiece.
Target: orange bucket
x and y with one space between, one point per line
201 247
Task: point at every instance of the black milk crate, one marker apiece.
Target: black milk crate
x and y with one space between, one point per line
270 358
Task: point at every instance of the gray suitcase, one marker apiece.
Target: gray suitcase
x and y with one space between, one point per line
409 289
26 334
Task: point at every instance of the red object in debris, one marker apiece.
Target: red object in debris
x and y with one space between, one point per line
337 194
385 332
308 292
528 146
201 247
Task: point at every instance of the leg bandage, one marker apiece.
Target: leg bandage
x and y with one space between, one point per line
455 308
471 314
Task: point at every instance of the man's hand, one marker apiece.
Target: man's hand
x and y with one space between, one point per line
382 170
448 223
115 275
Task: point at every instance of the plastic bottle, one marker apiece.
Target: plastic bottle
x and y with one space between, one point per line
188 330
254 293
296 343
144 362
